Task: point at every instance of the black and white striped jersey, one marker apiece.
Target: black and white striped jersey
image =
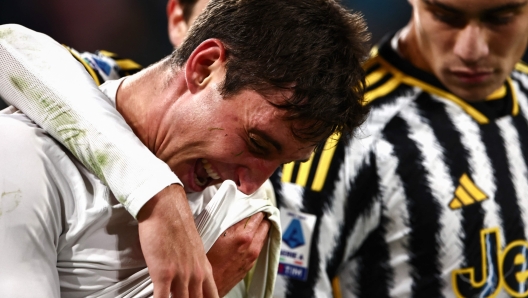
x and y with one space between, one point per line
429 200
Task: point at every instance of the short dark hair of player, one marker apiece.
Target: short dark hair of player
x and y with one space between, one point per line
311 48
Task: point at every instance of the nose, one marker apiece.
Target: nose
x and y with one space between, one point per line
471 44
252 176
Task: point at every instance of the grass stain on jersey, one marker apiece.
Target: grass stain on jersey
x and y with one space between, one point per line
122 199
59 118
5 32
9 201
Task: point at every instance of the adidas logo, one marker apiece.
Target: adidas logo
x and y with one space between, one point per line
467 193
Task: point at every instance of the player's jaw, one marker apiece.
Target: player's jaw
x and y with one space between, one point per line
472 83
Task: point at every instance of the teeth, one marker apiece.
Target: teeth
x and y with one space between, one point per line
209 169
197 181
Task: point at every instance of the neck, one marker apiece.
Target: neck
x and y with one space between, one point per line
143 99
409 49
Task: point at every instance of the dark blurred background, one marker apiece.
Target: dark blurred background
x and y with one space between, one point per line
137 29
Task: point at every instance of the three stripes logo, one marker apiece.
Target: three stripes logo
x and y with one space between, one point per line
467 193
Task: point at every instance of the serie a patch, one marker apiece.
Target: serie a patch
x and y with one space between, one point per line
297 234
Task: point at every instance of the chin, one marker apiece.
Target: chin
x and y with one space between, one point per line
469 95
472 92
466 93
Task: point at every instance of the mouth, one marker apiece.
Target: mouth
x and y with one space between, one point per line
204 174
469 76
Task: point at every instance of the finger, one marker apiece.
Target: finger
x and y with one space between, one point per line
262 231
161 290
249 222
179 288
195 289
257 244
254 221
209 288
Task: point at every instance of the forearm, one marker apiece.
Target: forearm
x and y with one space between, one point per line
44 81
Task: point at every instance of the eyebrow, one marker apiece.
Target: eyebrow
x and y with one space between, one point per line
506 7
501 8
441 5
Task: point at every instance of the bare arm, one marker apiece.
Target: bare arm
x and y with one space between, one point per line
44 81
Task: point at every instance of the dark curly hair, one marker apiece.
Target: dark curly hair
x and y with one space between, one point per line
311 48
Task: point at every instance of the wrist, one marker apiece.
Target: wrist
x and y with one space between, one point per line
166 200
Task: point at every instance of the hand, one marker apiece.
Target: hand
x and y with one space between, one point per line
237 250
172 247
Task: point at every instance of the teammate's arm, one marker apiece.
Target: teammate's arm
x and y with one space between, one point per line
43 80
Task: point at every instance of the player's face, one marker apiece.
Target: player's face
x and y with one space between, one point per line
471 46
241 138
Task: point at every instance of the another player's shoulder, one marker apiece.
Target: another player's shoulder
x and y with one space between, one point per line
20 136
104 65
28 150
520 75
18 124
522 67
385 83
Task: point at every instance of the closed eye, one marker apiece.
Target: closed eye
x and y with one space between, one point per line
498 19
257 145
448 18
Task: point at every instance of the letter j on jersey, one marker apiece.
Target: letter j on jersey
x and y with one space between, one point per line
506 269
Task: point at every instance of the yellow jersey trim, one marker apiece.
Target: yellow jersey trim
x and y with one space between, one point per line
371 61
287 171
522 67
474 113
336 287
304 171
324 162
108 54
127 64
515 108
383 90
498 94
86 66
375 76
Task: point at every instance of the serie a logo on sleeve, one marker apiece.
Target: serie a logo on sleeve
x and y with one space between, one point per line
298 229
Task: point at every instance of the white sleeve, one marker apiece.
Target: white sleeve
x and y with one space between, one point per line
43 80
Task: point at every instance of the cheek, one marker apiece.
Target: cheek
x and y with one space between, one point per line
436 38
426 40
440 44
227 146
510 45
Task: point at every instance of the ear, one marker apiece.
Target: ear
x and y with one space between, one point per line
205 65
177 25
